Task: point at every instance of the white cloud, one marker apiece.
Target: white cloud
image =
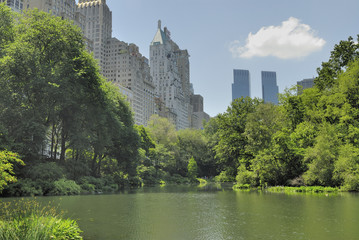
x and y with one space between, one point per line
290 40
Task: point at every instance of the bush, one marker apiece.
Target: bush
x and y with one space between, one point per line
23 188
245 177
92 184
176 178
49 171
224 176
147 174
26 220
65 187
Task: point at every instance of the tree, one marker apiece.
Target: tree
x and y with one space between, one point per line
162 130
7 160
6 26
55 105
231 147
193 143
344 53
321 157
192 169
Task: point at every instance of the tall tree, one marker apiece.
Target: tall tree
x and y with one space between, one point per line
231 148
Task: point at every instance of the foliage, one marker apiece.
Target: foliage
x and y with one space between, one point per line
24 188
7 159
343 54
304 189
192 169
47 171
54 104
224 176
27 220
65 187
231 147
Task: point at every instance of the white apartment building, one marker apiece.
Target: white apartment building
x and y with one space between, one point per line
170 72
126 66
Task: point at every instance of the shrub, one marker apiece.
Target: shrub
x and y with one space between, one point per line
23 188
27 220
147 174
65 187
49 171
224 176
245 177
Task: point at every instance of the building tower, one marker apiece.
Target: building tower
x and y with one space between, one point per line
126 67
241 84
170 72
305 83
98 27
269 87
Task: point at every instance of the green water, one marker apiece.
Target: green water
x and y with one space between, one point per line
192 213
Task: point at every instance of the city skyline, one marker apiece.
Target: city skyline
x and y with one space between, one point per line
220 40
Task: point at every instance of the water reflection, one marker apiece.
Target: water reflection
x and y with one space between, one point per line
212 212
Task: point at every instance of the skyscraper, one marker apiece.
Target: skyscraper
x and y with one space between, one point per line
98 27
241 84
120 62
170 72
269 87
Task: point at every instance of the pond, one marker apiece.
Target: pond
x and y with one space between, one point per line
212 213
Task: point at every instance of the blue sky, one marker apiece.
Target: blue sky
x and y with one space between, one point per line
289 37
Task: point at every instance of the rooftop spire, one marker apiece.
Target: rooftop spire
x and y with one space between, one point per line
159 24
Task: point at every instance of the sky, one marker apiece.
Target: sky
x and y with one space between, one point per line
290 37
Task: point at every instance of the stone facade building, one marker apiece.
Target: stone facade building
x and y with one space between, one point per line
126 66
170 72
98 27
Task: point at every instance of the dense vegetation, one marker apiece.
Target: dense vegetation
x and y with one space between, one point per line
74 131
27 220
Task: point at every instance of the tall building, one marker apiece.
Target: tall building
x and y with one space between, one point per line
241 84
98 27
269 87
126 66
120 62
170 72
16 5
197 103
198 115
305 83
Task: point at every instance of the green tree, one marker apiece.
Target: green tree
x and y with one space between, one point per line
7 160
343 54
346 168
321 157
55 104
231 147
6 26
192 169
162 130
193 143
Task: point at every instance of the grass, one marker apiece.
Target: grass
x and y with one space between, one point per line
303 189
28 220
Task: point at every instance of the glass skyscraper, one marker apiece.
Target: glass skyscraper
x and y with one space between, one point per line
241 84
269 87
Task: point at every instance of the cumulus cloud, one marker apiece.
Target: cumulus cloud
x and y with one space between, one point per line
292 39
